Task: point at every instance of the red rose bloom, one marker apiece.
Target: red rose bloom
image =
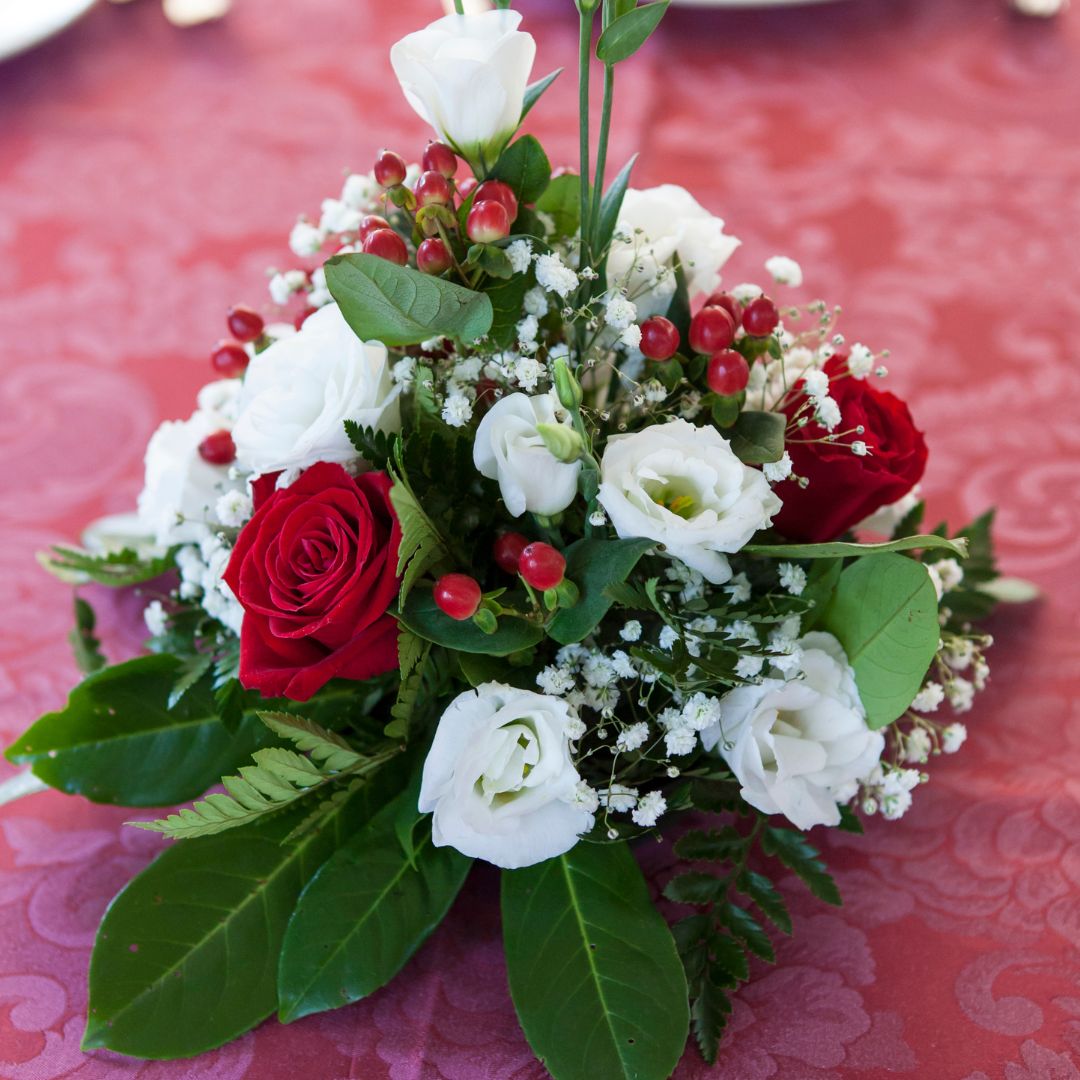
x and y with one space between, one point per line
844 488
315 570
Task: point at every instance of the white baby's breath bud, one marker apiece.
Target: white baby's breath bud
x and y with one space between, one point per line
859 448
792 578
520 254
953 737
784 271
631 631
929 698
649 809
775 471
156 618
233 509
917 746
305 240
860 361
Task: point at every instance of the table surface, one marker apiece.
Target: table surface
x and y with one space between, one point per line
918 156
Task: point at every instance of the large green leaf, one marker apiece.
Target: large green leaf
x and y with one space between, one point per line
400 306
594 973
629 32
839 549
593 565
186 956
884 612
117 741
424 619
525 167
562 201
366 911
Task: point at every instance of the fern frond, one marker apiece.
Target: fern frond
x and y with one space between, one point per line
330 750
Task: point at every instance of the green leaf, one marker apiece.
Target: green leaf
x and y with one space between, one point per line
562 201
423 618
117 741
400 306
618 1006
362 916
1011 590
507 297
840 549
762 891
798 855
695 887
729 956
375 447
326 748
716 844
593 566
821 583
186 956
534 91
726 409
525 167
884 612
611 205
117 569
86 647
758 437
421 546
710 1015
413 653
745 927
626 34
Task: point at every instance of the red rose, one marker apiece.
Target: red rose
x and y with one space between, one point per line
315 570
844 488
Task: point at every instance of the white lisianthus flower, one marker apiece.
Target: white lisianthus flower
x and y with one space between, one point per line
683 487
795 745
499 780
299 392
655 227
181 490
466 76
508 448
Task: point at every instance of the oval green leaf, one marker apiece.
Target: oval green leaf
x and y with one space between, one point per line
884 612
186 956
626 34
117 741
366 911
618 1006
400 306
525 167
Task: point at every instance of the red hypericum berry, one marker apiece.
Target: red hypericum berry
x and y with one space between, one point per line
728 372
541 566
218 448
760 317
369 224
467 187
229 358
433 189
659 338
501 193
432 257
245 324
488 221
728 303
711 329
458 596
386 244
438 157
389 169
508 549
304 316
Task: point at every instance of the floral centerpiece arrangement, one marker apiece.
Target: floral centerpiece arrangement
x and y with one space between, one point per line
514 536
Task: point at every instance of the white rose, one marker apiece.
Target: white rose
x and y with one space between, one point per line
466 76
499 780
180 489
299 392
508 448
796 746
683 487
672 224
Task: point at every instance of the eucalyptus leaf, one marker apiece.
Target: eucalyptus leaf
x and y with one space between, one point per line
593 566
884 612
617 1006
400 306
117 740
362 916
758 437
423 618
186 956
629 32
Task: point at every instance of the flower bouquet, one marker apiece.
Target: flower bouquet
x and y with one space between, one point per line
512 536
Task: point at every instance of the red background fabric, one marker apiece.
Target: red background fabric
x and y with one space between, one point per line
920 157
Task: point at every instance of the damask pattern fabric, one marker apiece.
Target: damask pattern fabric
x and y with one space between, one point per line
918 157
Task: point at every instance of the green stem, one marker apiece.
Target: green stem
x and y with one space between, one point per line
584 56
605 128
459 6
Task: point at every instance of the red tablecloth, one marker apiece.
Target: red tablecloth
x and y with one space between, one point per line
920 157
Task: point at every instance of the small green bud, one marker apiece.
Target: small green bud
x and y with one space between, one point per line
567 593
566 385
486 620
562 441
